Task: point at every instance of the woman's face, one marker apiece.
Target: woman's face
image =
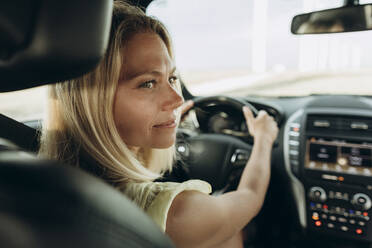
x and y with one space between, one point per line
146 100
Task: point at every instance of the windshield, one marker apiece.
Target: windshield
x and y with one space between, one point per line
241 47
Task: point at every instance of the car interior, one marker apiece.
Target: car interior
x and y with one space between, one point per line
321 172
46 204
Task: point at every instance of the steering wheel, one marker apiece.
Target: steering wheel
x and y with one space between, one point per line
213 157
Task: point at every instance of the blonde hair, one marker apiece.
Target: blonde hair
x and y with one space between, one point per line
81 120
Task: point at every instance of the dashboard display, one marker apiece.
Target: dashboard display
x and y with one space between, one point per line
339 156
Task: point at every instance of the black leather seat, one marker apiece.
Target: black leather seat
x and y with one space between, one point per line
44 203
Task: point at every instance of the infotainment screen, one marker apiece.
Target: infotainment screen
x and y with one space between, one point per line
338 155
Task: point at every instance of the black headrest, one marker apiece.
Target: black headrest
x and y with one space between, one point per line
46 204
45 41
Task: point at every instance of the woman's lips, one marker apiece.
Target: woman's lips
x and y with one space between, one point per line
167 124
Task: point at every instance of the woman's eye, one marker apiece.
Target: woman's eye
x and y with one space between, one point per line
148 84
173 80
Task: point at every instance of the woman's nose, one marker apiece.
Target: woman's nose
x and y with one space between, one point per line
173 99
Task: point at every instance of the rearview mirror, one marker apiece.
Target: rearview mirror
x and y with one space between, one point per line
344 19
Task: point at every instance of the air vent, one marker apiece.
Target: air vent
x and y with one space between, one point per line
339 123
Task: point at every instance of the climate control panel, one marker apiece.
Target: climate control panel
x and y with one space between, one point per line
338 212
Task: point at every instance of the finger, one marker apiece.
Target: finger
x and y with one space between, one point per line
261 113
187 106
248 113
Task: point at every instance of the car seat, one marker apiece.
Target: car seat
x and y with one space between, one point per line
45 203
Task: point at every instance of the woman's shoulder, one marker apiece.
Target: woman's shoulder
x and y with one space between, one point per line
156 197
144 193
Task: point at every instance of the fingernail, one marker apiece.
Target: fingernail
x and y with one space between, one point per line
245 108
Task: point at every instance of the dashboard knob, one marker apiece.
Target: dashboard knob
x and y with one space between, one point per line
317 194
361 201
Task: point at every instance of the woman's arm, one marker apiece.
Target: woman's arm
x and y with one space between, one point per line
199 220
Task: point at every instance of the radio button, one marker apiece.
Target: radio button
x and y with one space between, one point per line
315 216
312 206
330 225
342 220
339 196
346 196
344 228
362 201
331 194
361 223
317 194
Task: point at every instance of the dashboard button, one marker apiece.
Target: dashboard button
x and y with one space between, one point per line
293 152
359 231
294 134
344 228
330 225
339 196
294 143
361 201
352 221
317 194
331 194
361 223
342 219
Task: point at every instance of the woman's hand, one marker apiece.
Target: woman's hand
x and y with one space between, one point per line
262 127
186 106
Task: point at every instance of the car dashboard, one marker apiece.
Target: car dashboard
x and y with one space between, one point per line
321 182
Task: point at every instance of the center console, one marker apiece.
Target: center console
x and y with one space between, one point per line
328 156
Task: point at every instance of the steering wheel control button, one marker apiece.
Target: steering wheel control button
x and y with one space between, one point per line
240 157
317 194
183 149
361 201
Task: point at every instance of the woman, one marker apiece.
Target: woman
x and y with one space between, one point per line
119 122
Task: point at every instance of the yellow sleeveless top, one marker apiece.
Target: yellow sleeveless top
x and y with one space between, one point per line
155 198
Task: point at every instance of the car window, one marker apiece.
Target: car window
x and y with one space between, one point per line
245 47
24 105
